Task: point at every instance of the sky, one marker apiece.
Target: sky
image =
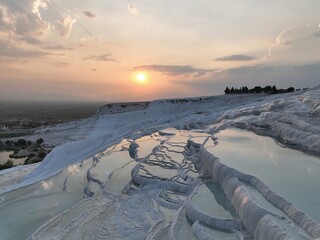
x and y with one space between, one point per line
117 50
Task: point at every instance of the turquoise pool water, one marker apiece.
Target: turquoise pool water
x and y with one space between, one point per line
291 173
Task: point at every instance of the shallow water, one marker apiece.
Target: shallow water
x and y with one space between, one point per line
4 157
293 174
105 178
114 195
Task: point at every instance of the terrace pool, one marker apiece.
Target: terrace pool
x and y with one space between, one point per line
292 174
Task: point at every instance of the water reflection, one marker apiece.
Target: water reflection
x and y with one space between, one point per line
291 173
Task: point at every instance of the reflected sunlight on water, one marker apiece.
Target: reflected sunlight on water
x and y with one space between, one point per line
291 173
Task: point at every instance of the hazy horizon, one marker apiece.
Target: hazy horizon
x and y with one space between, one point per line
80 51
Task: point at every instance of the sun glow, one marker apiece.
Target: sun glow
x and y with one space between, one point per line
141 78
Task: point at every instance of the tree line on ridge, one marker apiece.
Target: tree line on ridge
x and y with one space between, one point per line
258 89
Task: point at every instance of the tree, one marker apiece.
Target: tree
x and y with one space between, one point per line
267 89
227 91
21 142
245 89
290 89
42 154
7 164
274 89
257 89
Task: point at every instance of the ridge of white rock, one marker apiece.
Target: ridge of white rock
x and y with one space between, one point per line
200 232
293 119
195 215
233 183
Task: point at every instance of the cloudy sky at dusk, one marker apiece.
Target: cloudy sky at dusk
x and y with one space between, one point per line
118 50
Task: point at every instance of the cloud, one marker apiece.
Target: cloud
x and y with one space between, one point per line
316 34
254 70
174 70
31 40
298 45
28 23
311 67
6 20
280 40
8 50
133 9
22 20
64 25
236 58
283 76
61 64
28 26
103 58
89 14
37 5
57 48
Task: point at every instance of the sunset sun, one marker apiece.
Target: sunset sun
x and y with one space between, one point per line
141 78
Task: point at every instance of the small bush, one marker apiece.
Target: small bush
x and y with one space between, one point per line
42 154
8 164
21 142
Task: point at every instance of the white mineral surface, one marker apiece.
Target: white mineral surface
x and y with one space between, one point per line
175 170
